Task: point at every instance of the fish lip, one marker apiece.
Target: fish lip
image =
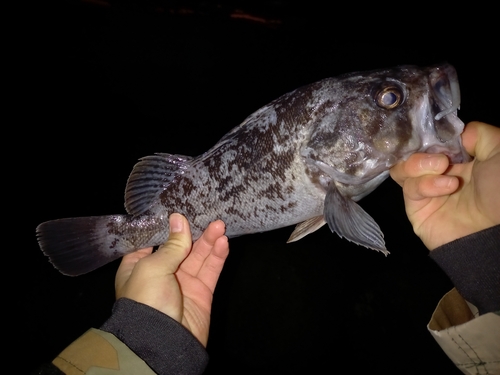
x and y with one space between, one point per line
455 157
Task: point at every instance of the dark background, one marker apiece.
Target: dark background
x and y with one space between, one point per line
110 82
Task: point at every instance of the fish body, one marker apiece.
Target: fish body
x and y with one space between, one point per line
306 158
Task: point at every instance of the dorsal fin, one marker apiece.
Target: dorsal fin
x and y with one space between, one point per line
149 177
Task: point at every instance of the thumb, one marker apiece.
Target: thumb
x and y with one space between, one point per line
172 253
481 140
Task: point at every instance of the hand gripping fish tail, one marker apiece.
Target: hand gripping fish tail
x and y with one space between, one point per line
76 245
305 159
79 245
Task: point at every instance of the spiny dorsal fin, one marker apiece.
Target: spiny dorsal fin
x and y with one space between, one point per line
149 177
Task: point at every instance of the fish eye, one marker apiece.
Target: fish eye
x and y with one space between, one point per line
389 97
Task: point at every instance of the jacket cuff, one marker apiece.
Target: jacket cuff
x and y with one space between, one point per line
164 344
99 352
472 342
473 265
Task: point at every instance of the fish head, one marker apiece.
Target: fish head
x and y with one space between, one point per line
367 122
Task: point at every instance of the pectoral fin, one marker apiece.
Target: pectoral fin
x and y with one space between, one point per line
346 218
306 227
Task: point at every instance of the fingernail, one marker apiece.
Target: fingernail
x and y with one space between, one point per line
442 181
430 163
176 223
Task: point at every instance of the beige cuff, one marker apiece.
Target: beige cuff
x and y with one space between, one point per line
452 310
471 341
100 353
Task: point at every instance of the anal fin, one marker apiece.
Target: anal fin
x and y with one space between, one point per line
346 218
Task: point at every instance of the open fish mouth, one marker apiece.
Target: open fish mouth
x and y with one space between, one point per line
444 81
444 104
444 101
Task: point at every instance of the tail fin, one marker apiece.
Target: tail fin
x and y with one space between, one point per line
79 245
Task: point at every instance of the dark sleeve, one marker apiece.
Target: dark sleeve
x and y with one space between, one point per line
47 369
164 344
473 265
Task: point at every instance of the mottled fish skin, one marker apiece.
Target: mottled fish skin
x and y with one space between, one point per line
254 178
304 158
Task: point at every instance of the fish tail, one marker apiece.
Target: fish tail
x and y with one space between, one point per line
79 245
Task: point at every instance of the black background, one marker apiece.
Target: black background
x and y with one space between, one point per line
111 82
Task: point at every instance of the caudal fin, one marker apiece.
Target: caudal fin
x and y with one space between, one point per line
79 245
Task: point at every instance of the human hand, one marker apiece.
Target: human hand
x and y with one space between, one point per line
177 279
445 202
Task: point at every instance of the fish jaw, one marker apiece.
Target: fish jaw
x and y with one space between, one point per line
429 140
437 122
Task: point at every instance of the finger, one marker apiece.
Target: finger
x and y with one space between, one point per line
170 255
212 267
134 257
429 186
481 140
127 265
419 164
203 247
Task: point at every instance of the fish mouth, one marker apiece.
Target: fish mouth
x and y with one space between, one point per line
444 81
444 103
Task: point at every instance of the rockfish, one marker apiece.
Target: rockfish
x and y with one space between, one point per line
306 158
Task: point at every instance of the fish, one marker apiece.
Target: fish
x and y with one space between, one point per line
304 159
